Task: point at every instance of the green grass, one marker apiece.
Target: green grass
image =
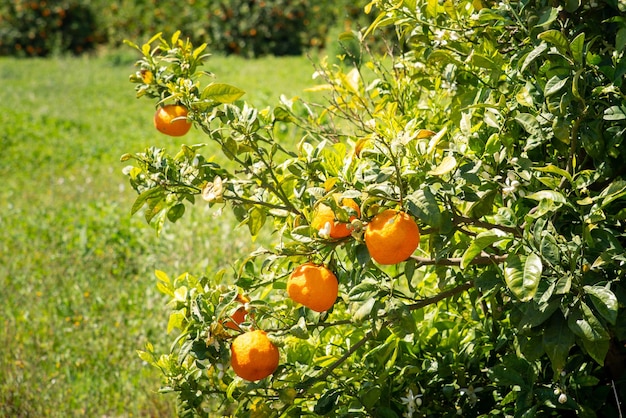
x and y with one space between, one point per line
77 289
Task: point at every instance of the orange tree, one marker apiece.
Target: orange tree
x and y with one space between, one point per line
498 128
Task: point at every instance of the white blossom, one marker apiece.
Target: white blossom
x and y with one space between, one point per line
471 392
412 403
325 231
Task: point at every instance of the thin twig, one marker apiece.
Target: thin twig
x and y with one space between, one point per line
619 405
440 296
418 305
482 260
482 224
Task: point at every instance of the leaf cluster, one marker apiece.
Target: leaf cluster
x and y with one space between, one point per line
500 128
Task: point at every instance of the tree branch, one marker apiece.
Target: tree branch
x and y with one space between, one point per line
482 224
440 296
418 305
483 259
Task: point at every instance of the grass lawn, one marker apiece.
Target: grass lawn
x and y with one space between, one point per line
78 294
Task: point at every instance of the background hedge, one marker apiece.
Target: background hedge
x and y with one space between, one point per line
246 27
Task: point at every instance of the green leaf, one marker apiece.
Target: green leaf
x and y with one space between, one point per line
557 341
370 396
222 93
447 164
361 311
547 17
575 85
327 402
281 114
555 38
554 85
585 325
176 320
549 249
577 46
256 220
612 192
533 55
511 371
364 289
432 8
484 205
146 356
620 39
604 301
522 276
482 241
156 193
615 113
536 314
550 195
346 36
422 203
597 350
300 330
176 212
551 168
529 123
572 5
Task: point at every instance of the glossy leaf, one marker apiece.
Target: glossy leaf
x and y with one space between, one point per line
604 301
522 275
327 402
550 195
482 241
447 164
533 55
577 46
222 93
424 205
585 325
555 38
555 85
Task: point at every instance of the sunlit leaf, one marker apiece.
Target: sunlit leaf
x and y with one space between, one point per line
550 195
522 275
155 193
615 113
604 301
482 241
551 168
533 55
585 325
447 164
424 205
555 38
554 85
577 46
222 93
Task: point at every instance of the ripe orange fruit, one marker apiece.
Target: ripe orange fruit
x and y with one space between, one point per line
163 120
314 286
323 215
253 356
240 314
391 237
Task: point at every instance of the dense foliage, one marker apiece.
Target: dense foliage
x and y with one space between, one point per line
246 27
33 28
500 128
